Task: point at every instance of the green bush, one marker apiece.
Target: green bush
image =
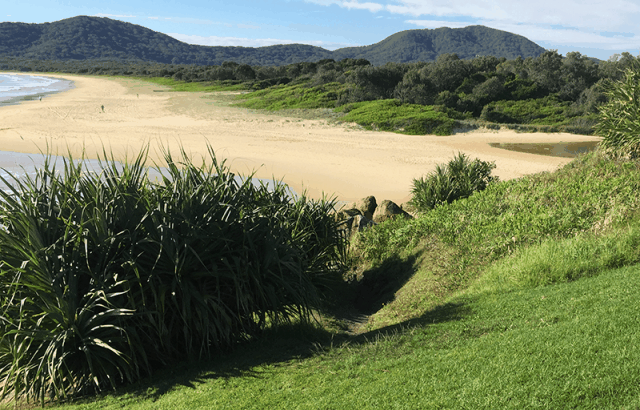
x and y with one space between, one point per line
392 115
619 118
106 277
458 179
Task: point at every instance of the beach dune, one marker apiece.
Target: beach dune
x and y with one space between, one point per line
125 115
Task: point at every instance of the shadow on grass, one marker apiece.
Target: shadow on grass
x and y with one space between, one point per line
376 287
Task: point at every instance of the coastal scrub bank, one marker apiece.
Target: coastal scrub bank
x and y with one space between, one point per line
106 276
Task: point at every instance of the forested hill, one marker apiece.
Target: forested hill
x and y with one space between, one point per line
426 45
82 38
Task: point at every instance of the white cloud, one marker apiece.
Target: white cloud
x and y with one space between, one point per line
579 23
350 4
570 36
250 42
612 15
559 36
153 18
120 16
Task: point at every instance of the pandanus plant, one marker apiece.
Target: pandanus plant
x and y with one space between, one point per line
106 276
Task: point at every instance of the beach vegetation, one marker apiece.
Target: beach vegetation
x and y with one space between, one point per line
391 115
107 276
619 118
457 179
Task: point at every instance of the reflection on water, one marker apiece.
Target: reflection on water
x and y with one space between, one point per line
19 165
558 149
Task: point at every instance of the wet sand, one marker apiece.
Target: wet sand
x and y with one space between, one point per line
313 155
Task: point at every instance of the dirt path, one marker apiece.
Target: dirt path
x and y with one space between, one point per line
316 155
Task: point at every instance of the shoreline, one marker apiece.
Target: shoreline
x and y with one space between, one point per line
38 92
313 155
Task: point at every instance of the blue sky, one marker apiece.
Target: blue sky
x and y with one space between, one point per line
596 28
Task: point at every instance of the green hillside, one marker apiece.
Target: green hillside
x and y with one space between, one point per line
426 45
95 38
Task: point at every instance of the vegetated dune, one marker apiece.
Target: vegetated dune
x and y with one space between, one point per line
318 156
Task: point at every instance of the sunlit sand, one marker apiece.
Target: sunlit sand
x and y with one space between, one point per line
315 155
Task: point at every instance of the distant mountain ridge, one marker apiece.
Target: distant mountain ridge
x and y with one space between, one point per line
83 37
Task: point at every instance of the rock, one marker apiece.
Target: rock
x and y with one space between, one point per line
346 213
388 210
346 225
366 206
360 223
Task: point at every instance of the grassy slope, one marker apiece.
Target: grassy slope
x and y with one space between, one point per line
548 319
563 346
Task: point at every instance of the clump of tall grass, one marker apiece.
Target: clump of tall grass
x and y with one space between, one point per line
106 276
455 180
619 119
562 260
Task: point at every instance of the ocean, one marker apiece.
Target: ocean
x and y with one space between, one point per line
15 88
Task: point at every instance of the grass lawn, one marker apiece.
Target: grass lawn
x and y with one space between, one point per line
571 345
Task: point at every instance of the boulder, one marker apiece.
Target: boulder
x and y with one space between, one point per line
346 213
388 210
366 206
360 223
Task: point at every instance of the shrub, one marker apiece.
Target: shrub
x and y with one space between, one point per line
619 118
105 277
458 179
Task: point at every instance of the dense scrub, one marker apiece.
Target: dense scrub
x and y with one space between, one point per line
105 277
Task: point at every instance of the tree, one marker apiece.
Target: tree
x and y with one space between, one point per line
416 88
448 72
545 70
578 74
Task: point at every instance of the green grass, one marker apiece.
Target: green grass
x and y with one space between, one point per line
206 86
590 196
563 346
298 96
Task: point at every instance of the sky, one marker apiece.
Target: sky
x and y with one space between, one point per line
596 28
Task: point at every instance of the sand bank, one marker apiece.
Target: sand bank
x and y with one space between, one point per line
316 155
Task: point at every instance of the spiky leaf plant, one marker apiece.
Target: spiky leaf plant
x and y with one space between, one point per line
619 118
457 179
104 276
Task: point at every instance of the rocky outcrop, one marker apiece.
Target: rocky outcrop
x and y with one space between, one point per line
388 210
366 206
366 213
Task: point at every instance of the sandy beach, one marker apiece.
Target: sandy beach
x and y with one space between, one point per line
315 155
